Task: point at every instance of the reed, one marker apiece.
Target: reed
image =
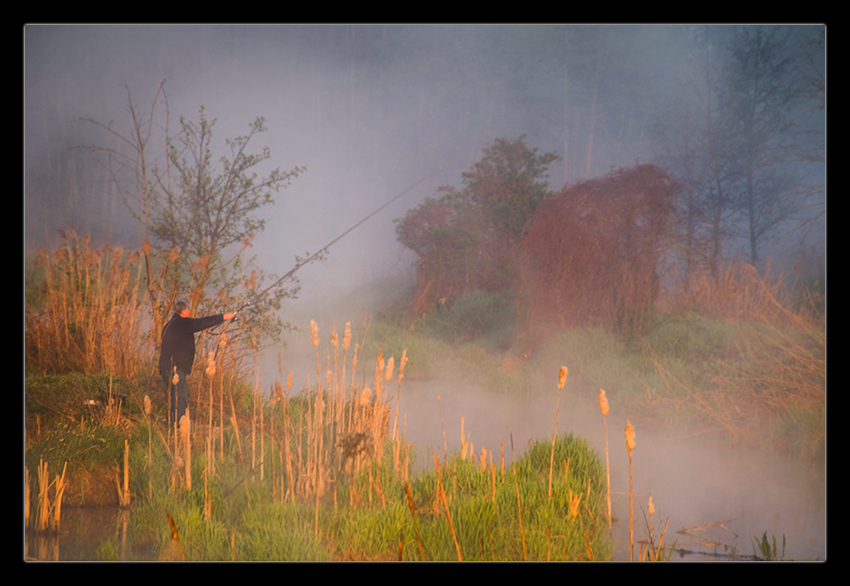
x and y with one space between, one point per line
186 445
519 515
630 445
603 407
86 316
124 492
562 378
48 512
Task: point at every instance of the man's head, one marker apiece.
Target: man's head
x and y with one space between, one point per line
181 308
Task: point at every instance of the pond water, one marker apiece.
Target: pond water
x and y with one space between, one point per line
716 497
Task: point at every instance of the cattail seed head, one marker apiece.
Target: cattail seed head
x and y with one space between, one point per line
346 338
334 338
379 372
364 396
651 508
603 403
289 381
389 372
184 427
278 391
630 436
401 364
176 378
562 377
211 364
222 341
314 333
147 405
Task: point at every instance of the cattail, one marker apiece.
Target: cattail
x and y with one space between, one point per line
211 364
389 373
402 362
630 444
176 378
186 437
279 391
334 338
289 381
364 396
147 405
562 377
184 427
651 508
346 338
379 372
222 341
603 406
314 333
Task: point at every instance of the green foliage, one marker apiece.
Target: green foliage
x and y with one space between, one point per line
767 548
463 237
488 317
212 207
594 356
272 532
108 551
425 353
689 335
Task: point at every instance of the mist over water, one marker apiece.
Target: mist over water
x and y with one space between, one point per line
720 495
693 481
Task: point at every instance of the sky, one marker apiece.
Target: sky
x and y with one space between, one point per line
370 111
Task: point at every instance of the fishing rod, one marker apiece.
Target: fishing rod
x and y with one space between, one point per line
259 295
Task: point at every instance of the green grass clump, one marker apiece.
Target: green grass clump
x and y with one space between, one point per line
487 318
689 336
594 356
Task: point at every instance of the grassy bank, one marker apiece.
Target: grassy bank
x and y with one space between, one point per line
322 474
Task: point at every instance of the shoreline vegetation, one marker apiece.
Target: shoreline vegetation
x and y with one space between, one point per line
325 473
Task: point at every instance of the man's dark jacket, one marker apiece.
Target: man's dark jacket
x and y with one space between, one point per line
178 342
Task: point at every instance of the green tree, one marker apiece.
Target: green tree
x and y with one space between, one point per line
208 210
199 214
463 238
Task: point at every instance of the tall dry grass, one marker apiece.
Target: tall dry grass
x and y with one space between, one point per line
734 291
86 316
335 431
773 375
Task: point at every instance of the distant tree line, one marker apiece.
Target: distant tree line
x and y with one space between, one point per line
734 113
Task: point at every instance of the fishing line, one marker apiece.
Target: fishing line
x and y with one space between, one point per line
334 241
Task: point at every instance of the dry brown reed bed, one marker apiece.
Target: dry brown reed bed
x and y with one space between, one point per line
735 291
87 319
777 365
335 429
48 511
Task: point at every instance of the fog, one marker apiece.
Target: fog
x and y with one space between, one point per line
371 111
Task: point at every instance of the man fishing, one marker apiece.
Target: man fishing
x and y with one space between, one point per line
178 354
